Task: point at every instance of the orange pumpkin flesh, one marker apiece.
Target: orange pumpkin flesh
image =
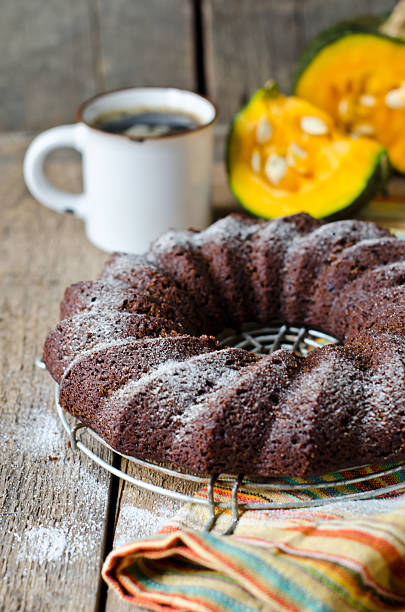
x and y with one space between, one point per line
287 156
359 79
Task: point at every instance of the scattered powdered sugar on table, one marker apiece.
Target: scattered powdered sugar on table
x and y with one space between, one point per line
69 540
135 523
42 544
64 542
90 482
39 434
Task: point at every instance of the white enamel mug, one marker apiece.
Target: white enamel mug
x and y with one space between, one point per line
133 190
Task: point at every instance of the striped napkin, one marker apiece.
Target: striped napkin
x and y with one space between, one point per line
347 555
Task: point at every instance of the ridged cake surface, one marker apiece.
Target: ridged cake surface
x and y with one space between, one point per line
85 331
135 363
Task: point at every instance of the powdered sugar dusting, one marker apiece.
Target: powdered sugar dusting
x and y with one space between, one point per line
228 229
120 265
84 332
104 324
137 522
116 343
170 240
383 276
365 507
100 347
44 539
196 410
39 435
135 386
42 544
188 381
97 296
325 242
62 542
336 509
284 230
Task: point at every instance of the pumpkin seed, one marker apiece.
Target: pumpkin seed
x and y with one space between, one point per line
297 151
363 129
395 98
264 131
255 162
314 126
367 100
343 107
275 168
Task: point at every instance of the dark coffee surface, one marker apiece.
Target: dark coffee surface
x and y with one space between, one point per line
145 122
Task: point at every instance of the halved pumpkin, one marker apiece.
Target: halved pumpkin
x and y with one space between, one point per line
286 156
356 73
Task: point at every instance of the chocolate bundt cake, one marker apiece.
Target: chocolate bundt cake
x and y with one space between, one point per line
134 361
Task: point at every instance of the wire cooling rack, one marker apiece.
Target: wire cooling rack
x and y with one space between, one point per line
260 340
263 340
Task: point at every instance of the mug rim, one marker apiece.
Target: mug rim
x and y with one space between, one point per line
82 107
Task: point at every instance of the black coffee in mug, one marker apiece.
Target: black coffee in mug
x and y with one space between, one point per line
138 123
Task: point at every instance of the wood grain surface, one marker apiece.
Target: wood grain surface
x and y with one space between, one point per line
146 43
55 55
316 15
247 44
53 503
46 62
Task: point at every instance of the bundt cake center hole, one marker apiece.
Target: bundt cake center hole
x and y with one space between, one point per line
265 339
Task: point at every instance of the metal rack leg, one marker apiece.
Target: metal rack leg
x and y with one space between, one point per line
74 430
213 514
235 506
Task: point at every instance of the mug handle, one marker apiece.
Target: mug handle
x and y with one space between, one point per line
37 183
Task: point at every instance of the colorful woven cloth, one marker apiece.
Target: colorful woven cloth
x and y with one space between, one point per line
343 556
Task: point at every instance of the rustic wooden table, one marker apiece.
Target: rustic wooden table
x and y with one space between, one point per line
61 513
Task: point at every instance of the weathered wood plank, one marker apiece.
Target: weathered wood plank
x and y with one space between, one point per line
53 502
45 62
315 15
382 7
246 44
54 57
147 43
